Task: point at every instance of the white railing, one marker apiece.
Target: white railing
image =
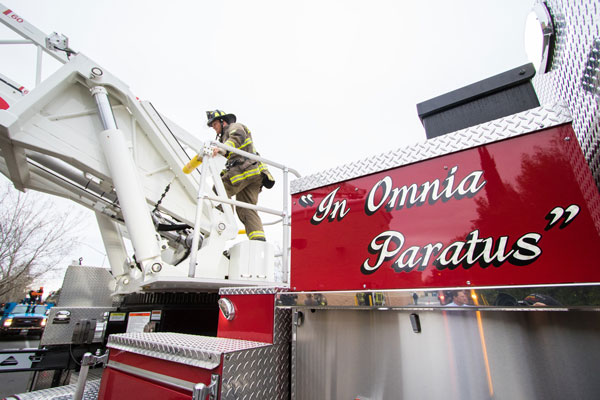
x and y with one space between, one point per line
204 194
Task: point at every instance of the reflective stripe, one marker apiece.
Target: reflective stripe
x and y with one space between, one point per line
246 143
232 143
255 234
248 174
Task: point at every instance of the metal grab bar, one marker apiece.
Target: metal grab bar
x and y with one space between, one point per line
87 360
254 157
201 391
204 195
242 204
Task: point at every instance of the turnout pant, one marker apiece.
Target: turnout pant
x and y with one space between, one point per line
247 191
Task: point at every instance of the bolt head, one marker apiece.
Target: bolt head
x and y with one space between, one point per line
156 267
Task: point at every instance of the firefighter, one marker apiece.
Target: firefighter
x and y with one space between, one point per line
36 296
242 177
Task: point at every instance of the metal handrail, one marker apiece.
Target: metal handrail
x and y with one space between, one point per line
254 157
284 214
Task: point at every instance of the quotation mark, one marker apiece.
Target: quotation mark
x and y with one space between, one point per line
306 200
558 213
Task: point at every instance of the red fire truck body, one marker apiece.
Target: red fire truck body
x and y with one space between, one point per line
460 267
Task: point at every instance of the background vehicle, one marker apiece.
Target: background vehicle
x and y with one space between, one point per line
23 319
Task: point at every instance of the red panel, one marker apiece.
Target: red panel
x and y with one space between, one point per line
488 223
112 380
119 385
3 104
253 318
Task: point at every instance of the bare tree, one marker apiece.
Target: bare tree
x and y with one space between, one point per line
34 238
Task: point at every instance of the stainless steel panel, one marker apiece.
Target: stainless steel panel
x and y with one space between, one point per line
503 128
59 333
342 354
86 287
261 373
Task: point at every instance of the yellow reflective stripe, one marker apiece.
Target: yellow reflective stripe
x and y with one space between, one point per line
247 174
232 143
246 143
255 234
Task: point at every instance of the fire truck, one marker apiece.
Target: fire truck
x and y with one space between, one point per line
460 267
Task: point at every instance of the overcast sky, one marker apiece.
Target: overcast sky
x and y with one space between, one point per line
319 83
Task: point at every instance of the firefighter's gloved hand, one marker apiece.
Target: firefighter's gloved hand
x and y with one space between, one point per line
216 151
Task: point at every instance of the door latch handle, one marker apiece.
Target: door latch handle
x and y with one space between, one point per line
201 391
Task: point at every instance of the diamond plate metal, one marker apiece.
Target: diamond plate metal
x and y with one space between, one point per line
86 287
261 373
92 387
493 131
194 350
282 328
573 77
43 379
230 291
63 333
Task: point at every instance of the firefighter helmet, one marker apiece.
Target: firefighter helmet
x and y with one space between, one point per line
219 114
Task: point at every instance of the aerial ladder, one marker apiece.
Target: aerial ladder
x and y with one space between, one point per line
83 135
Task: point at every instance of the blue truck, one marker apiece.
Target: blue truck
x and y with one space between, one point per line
23 319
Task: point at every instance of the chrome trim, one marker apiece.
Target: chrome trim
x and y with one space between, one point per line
503 128
153 376
524 298
201 391
540 12
294 366
227 308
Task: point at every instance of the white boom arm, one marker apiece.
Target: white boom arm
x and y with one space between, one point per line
81 134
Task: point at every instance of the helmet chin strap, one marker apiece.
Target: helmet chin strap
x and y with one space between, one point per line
220 134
